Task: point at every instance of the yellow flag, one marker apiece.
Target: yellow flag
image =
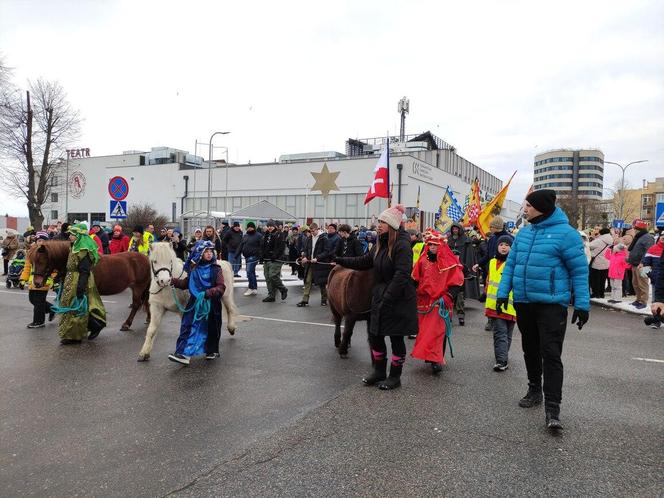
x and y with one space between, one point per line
443 223
492 208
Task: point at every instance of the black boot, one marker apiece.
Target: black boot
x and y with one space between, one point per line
378 374
532 398
394 380
552 411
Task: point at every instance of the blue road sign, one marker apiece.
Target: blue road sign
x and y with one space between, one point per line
118 210
618 223
510 225
659 215
118 188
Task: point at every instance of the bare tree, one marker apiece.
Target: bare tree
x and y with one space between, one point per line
143 214
33 131
582 212
625 201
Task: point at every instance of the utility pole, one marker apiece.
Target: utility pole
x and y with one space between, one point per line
622 183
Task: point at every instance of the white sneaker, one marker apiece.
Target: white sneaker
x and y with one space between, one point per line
248 292
254 292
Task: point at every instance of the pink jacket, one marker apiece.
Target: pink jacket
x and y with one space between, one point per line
617 263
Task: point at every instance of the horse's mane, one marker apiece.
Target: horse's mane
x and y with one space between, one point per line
57 252
162 250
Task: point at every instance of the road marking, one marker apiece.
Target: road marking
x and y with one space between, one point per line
650 360
289 321
20 292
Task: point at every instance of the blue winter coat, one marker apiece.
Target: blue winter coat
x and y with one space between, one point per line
546 263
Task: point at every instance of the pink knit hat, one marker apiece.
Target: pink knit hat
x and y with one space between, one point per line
393 216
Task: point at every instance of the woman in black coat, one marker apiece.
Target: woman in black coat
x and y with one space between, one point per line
393 301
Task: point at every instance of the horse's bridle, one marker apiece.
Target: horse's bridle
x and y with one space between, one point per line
159 270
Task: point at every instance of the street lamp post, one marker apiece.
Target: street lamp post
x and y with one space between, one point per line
622 182
210 169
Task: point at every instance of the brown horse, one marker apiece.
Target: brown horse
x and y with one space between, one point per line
349 297
113 273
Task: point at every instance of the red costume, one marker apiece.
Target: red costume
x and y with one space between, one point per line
119 241
434 279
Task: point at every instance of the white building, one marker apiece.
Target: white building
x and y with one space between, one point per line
575 173
175 183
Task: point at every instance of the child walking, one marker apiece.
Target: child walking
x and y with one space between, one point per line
618 264
505 318
200 329
37 295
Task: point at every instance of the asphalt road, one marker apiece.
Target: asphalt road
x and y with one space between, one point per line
280 414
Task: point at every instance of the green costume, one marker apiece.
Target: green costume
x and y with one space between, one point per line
79 279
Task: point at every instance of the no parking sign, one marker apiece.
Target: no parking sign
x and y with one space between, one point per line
118 188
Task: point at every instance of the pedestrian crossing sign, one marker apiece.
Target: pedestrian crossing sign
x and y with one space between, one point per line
659 215
118 210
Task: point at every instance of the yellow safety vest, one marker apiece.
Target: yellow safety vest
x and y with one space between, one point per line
417 251
495 274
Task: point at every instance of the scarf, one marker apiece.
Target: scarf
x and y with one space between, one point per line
84 242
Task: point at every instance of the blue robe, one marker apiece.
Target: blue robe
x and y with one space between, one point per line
194 333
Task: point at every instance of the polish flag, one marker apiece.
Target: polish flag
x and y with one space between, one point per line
380 187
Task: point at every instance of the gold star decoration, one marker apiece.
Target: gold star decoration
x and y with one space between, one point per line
326 180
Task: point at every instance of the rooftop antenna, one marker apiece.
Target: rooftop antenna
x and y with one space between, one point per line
404 107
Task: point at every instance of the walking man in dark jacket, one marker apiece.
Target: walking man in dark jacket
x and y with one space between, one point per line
657 307
348 246
319 248
250 248
273 246
637 249
231 241
546 265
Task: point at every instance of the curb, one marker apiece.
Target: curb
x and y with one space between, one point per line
622 306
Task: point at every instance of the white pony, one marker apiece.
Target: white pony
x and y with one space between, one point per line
164 265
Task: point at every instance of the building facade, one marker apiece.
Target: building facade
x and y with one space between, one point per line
321 186
651 195
578 173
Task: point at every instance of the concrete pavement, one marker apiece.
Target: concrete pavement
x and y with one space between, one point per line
281 414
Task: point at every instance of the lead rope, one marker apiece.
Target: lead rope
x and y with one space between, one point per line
445 315
77 306
201 306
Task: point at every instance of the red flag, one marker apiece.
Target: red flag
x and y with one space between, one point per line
380 187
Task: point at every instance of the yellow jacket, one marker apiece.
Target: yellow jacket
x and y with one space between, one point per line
495 274
27 276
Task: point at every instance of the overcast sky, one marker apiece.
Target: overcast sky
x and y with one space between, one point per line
500 80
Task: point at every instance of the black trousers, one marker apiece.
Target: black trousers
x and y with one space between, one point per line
377 343
598 282
542 329
5 266
40 306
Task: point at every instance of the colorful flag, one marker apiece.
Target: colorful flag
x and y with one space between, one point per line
449 212
474 205
492 208
380 187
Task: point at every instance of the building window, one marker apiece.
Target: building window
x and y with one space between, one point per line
54 214
660 197
97 217
54 181
77 217
54 197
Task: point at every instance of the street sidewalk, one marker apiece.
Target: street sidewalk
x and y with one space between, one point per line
623 305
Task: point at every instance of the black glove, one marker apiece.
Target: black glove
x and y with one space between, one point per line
580 317
501 304
80 291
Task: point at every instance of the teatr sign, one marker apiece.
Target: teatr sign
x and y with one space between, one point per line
78 153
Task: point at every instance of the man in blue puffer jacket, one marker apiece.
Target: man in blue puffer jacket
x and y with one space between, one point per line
546 266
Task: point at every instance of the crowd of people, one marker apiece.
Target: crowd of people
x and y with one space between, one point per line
527 278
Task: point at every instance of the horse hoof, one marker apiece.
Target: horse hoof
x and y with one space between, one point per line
124 328
231 332
343 356
144 357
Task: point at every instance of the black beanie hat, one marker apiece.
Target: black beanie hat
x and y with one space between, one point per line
505 239
138 229
251 224
543 200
